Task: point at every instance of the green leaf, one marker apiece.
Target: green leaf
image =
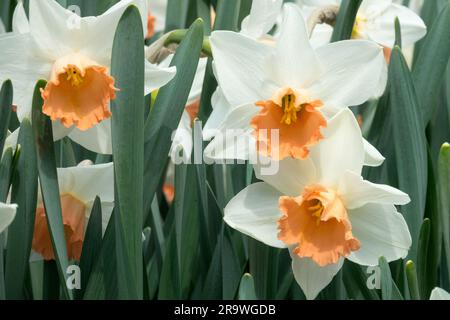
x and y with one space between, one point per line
345 20
20 233
168 109
177 12
92 245
431 64
263 268
6 166
389 290
434 250
444 200
423 256
413 283
247 288
410 144
6 95
187 224
128 143
355 280
43 135
170 282
103 282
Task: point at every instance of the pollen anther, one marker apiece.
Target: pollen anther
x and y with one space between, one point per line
74 76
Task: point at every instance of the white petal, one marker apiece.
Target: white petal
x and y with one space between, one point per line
20 22
439 294
296 64
221 108
60 31
20 62
181 149
382 231
87 182
156 77
262 18
373 158
341 149
242 67
197 85
7 215
383 30
321 35
311 277
254 212
354 72
233 139
358 192
292 176
230 145
96 139
60 131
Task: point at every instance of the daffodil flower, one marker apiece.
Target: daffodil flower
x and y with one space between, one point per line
7 215
291 89
74 55
78 188
375 21
439 294
323 211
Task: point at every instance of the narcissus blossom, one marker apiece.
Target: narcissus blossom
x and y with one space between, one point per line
7 215
375 21
78 188
323 211
74 55
291 89
439 294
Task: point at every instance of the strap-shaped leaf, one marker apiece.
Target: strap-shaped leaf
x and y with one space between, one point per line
43 135
128 144
431 64
6 96
20 233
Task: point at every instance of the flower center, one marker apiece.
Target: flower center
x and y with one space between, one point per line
74 76
289 108
318 225
287 125
79 92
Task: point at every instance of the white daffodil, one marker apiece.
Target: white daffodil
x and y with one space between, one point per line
323 211
375 21
439 294
78 188
156 21
291 89
74 55
7 215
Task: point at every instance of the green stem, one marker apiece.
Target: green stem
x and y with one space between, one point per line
177 36
413 283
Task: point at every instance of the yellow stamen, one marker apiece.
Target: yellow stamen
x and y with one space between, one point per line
74 76
317 211
358 26
289 109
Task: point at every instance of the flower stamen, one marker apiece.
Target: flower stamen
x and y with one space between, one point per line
290 109
74 76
